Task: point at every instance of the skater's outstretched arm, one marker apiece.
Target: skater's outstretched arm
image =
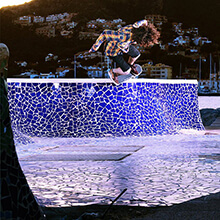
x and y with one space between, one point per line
140 23
106 35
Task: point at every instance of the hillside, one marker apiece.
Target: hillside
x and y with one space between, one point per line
24 44
198 13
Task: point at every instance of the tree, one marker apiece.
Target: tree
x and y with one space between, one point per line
209 48
156 53
167 33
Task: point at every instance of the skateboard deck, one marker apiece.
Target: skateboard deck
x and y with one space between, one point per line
124 78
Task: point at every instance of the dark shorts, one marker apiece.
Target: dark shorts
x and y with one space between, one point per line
120 61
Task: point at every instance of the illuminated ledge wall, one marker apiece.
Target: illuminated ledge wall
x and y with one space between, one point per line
97 108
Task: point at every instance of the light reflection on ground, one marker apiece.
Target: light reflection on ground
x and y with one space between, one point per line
161 170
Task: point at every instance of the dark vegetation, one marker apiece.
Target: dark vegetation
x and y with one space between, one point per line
24 44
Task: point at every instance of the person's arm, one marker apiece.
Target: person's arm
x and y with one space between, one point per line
140 23
98 42
105 35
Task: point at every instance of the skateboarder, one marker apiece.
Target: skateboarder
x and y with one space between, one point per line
123 41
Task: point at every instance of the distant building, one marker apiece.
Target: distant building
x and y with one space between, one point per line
38 19
160 71
66 34
88 35
46 75
21 63
179 52
86 55
189 73
29 74
24 20
52 18
62 71
157 20
102 23
50 57
194 31
48 31
177 27
71 25
199 41
94 71
119 20
91 25
162 46
212 85
182 40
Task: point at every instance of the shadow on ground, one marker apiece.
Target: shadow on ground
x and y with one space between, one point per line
203 208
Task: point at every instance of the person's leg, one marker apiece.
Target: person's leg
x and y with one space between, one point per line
134 54
131 60
123 67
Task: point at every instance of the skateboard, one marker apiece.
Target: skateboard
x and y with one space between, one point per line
131 75
124 78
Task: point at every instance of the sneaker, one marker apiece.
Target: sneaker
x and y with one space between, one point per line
134 72
114 77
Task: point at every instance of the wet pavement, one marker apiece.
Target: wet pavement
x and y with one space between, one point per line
156 171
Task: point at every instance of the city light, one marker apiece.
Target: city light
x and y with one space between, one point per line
13 2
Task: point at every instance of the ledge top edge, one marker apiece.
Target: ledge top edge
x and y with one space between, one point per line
99 80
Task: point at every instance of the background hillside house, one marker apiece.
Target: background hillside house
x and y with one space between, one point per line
159 70
157 20
48 31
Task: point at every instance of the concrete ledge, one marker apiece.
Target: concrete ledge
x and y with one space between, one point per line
97 108
99 80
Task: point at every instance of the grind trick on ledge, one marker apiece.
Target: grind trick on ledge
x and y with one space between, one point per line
123 41
135 72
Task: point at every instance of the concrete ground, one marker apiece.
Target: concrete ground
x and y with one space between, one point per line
203 208
173 177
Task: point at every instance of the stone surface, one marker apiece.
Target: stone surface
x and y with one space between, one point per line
99 109
160 171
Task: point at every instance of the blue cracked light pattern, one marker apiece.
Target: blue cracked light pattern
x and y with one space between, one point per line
102 109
